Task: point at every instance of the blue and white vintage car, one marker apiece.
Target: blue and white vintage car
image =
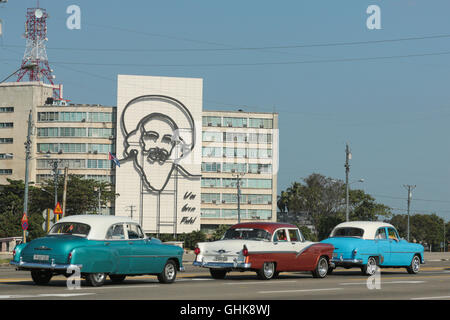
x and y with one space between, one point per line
99 246
368 244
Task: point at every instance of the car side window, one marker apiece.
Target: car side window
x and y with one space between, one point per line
392 234
280 235
381 233
134 231
115 232
294 235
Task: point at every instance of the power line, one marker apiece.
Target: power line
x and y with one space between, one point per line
256 48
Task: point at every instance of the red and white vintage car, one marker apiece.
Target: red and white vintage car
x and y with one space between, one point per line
265 247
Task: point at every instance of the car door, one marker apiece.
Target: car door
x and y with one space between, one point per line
116 240
283 250
144 255
384 246
398 254
300 258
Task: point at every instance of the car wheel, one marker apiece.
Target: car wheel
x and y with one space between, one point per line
117 278
218 273
267 271
414 267
169 272
96 279
371 267
321 269
41 277
330 270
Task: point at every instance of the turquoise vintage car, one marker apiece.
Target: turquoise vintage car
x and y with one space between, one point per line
368 244
99 246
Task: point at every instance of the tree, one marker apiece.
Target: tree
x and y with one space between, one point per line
219 232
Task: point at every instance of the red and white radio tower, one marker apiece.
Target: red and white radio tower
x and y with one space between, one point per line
35 61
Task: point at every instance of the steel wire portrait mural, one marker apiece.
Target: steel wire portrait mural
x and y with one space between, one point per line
159 135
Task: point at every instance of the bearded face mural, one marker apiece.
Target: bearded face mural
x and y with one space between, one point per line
156 142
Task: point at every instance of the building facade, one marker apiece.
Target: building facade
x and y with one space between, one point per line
179 164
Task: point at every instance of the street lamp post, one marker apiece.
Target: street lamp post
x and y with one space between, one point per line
27 160
348 156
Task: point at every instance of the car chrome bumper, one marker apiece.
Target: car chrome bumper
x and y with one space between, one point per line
53 266
223 265
339 261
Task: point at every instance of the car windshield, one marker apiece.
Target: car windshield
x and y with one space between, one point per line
72 228
247 234
348 232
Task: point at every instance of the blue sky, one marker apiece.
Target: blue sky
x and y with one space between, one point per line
394 112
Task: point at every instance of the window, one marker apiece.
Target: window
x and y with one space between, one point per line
6 109
393 234
259 183
210 213
47 132
381 233
101 132
211 197
115 232
280 235
101 117
72 228
234 167
134 231
348 232
6 156
212 136
6 125
6 140
229 198
211 182
212 152
294 235
247 233
209 121
235 122
210 167
72 132
261 123
235 137
6 171
259 168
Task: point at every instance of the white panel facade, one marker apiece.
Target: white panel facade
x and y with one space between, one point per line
159 149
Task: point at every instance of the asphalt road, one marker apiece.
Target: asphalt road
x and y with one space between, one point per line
432 283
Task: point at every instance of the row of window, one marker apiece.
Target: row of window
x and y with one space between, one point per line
236 167
211 121
254 214
75 132
232 198
6 109
231 183
76 116
6 125
76 164
5 171
75 147
97 177
227 152
211 136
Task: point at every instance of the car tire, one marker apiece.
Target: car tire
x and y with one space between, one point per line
218 273
414 267
330 270
41 277
169 273
370 268
117 278
321 269
267 271
96 279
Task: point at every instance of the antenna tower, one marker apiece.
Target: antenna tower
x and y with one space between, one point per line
35 62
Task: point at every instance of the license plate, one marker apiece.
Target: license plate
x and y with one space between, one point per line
220 259
40 257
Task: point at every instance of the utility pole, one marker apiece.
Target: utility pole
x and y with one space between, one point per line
348 156
66 171
27 161
238 186
131 210
409 188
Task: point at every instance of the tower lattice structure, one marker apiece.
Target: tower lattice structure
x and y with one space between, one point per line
35 65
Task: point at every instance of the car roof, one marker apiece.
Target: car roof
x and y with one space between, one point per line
268 226
369 227
99 223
